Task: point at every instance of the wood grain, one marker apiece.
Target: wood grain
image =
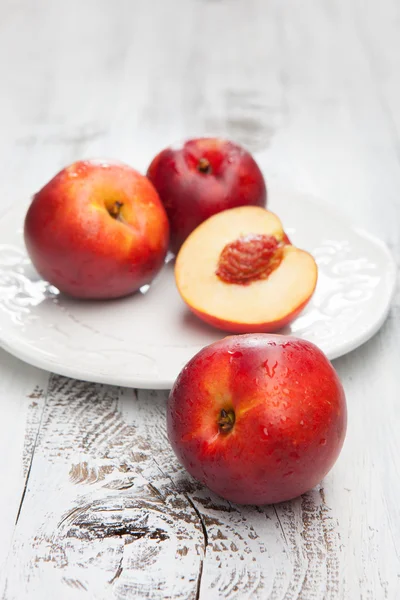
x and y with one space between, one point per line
108 510
22 396
93 502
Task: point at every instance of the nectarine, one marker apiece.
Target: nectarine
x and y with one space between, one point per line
258 418
97 230
238 272
201 178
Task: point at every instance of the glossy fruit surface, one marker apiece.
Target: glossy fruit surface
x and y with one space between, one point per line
97 230
258 418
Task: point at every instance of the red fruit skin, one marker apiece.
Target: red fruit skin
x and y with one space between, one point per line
239 328
190 196
76 245
290 413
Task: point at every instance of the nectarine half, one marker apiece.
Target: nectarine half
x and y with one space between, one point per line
238 272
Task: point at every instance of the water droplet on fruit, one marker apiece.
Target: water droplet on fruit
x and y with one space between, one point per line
286 392
283 419
302 423
322 442
77 169
264 433
270 369
288 474
234 354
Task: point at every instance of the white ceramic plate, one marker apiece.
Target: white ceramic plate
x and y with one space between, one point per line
145 340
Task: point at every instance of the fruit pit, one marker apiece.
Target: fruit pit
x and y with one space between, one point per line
249 258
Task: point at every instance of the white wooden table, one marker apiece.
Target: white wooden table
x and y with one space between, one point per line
93 503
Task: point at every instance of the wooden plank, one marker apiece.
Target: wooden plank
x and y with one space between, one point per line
98 514
108 510
23 390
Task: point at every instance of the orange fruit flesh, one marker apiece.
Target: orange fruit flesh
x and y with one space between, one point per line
262 302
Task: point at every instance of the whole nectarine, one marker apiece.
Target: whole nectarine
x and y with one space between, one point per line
97 230
258 418
201 178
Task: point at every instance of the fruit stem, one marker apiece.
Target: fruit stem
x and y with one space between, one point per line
204 166
115 209
226 421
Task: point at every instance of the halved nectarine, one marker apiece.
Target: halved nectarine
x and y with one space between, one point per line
238 272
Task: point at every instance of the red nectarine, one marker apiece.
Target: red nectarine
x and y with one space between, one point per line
97 230
258 418
202 178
